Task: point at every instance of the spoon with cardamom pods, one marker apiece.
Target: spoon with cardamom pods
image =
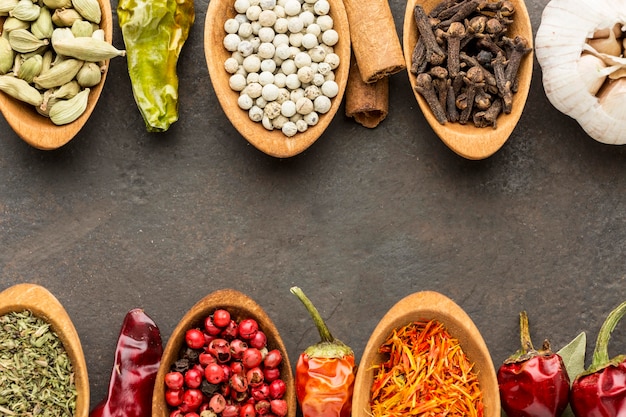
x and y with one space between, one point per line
470 65
272 110
236 323
36 324
434 344
28 106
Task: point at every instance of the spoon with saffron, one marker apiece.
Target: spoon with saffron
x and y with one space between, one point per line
46 306
427 305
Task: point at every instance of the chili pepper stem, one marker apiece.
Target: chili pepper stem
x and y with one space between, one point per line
527 344
601 350
328 347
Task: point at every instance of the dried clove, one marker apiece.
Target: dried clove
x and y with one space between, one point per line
474 80
425 87
434 54
489 116
454 34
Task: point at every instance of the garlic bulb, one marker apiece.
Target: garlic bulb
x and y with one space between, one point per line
562 37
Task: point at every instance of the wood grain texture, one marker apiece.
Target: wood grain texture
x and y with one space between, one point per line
467 140
44 305
240 307
37 130
427 305
273 142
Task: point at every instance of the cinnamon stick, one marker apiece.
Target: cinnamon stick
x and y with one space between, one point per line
367 103
374 39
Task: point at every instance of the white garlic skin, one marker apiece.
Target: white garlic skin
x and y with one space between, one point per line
565 27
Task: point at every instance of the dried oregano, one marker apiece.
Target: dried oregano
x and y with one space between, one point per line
36 374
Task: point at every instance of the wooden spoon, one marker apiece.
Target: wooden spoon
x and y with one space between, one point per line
240 307
467 140
37 130
428 305
44 305
273 142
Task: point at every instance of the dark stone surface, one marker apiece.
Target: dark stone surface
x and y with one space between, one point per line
120 218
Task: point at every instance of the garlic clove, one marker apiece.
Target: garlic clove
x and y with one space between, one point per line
612 97
590 70
609 45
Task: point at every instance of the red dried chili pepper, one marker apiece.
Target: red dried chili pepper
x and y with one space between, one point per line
325 372
137 359
600 391
533 383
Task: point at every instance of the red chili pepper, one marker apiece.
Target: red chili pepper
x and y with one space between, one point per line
325 372
533 383
137 359
600 391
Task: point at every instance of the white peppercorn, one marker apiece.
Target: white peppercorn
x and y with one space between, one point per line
283 95
253 90
292 7
304 106
281 25
325 22
309 40
301 125
255 113
321 104
295 117
231 42
238 57
266 50
268 65
252 78
308 7
329 77
280 11
282 51
280 80
272 110
292 81
245 30
270 92
317 54
266 35
288 108
253 13
245 102
321 7
241 18
295 39
330 89
231 65
261 102
324 68
267 123
288 67
305 75
307 17
330 37
266 78
252 63
267 4
296 94
241 6
281 39
245 48
231 26
312 92
256 26
302 59
295 24
237 82
318 79
311 118
279 121
290 129
314 29
332 60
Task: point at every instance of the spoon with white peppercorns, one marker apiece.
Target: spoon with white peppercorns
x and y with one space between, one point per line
279 68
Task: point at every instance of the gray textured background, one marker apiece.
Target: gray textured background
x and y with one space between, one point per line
120 218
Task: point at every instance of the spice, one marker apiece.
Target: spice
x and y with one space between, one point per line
600 391
469 35
137 359
36 373
533 383
325 371
154 33
426 374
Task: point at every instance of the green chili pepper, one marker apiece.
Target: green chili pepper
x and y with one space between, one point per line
154 33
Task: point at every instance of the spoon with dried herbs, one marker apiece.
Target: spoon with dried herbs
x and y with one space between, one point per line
40 355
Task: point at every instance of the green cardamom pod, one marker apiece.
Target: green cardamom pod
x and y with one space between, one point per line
48 56
58 4
12 23
22 40
82 29
30 68
60 73
42 27
25 10
67 90
20 89
86 49
66 111
65 17
48 101
89 75
89 9
7 56
6 6
98 34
